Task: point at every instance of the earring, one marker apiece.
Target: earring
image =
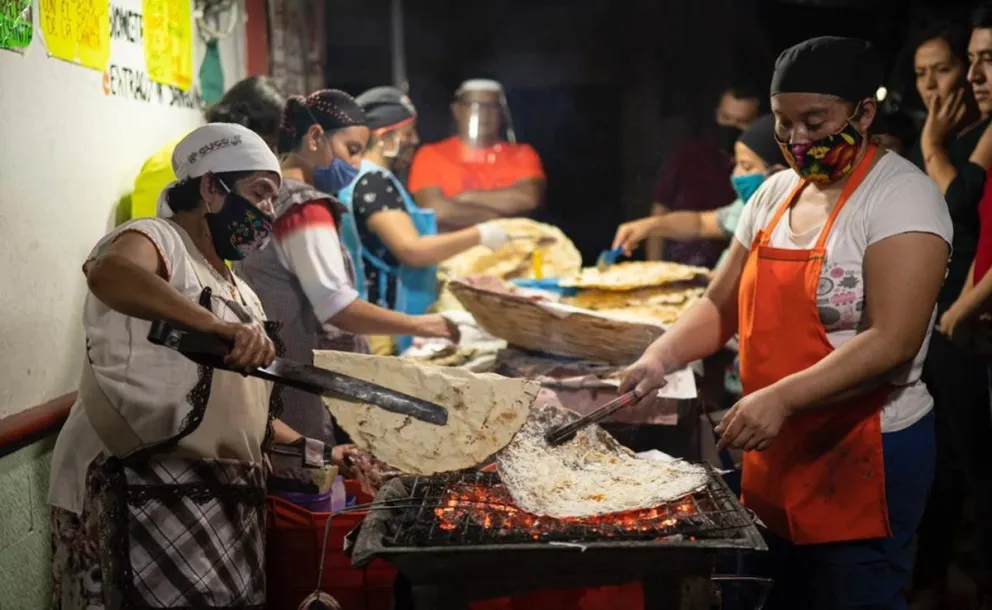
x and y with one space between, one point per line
313 146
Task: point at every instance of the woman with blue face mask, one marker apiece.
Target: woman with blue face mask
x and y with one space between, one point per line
756 156
306 277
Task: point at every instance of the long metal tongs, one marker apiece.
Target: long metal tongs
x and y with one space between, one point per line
565 432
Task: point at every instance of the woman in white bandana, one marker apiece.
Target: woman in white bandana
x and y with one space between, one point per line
157 482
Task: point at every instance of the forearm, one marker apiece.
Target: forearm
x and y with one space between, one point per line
283 434
938 164
133 291
511 201
654 247
432 249
680 226
701 331
364 318
852 369
979 298
969 281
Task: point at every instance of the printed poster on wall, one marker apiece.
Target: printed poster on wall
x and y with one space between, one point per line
169 42
77 31
127 76
16 24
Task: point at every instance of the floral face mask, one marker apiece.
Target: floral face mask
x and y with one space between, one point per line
828 159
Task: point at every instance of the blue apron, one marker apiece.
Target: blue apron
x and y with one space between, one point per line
415 287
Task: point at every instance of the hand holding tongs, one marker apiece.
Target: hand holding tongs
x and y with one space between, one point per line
210 350
565 432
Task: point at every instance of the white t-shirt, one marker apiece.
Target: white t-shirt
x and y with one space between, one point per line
148 384
895 197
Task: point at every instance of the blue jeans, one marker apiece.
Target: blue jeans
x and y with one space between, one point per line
864 574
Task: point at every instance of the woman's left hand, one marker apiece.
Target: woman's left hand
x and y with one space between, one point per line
343 456
754 422
951 320
942 116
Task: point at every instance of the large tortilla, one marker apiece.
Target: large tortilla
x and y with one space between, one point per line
590 475
633 275
484 412
662 304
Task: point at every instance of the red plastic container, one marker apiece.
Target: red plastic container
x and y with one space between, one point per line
293 558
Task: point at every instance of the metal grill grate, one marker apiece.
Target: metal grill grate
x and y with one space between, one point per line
473 508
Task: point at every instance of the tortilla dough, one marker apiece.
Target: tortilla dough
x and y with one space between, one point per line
484 412
590 475
633 275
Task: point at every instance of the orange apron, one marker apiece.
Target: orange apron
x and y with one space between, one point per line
822 479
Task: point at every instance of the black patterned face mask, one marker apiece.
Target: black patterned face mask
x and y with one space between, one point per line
238 228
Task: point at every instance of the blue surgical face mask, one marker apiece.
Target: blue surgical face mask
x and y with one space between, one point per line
746 185
334 177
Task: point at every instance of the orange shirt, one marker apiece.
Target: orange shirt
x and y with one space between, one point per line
455 168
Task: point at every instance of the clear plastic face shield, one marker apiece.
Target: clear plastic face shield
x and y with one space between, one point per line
482 117
398 144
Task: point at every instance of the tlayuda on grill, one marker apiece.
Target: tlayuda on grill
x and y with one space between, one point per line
488 416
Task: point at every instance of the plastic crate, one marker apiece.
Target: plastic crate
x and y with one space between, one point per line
293 558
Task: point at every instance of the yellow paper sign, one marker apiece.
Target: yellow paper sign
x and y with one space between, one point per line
93 33
168 32
58 26
77 30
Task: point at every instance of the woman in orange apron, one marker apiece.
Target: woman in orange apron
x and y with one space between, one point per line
830 284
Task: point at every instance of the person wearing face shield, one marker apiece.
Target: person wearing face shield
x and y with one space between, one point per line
149 423
479 174
694 177
831 284
306 278
756 156
395 244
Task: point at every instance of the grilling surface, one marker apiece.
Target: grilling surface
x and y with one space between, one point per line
474 508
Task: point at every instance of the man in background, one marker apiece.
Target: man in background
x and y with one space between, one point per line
478 174
696 177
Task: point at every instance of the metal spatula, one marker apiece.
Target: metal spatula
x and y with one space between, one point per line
209 350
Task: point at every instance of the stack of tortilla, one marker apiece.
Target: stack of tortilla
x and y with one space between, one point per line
560 258
655 291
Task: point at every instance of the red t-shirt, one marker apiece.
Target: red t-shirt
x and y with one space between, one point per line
455 168
983 255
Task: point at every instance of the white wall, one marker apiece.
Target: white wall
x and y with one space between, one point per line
68 152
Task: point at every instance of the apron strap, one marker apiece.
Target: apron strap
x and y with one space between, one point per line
852 184
764 236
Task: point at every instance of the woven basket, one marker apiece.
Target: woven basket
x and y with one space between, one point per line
523 323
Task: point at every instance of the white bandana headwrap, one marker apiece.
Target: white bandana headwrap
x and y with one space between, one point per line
218 148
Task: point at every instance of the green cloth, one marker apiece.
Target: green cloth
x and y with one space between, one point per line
211 75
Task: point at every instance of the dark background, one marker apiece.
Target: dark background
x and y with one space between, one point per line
602 90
